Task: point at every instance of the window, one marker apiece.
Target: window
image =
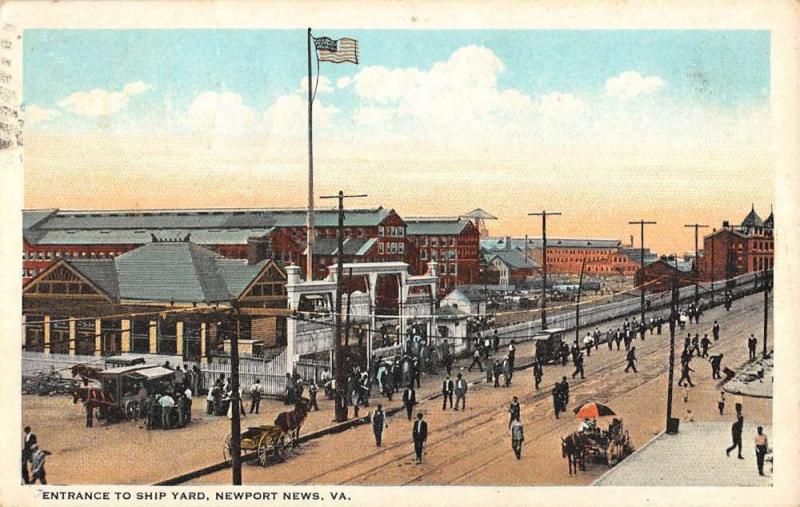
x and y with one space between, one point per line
444 269
380 248
40 255
392 247
434 242
452 241
424 240
47 255
380 231
434 256
401 231
83 254
452 255
58 255
423 255
401 247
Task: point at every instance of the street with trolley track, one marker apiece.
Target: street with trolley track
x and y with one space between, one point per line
473 446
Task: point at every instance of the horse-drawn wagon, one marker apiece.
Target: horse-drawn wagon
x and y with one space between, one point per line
548 345
270 443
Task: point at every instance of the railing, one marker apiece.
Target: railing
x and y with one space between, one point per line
272 374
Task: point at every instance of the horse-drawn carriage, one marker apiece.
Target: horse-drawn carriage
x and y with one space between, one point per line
270 443
119 392
609 447
605 446
548 345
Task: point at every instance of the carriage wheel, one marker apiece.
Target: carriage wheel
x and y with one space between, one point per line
227 453
281 447
263 450
132 410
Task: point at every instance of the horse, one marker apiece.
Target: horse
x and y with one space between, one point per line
291 422
85 371
573 447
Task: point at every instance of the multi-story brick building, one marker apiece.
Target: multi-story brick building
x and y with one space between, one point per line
565 256
452 242
735 250
376 234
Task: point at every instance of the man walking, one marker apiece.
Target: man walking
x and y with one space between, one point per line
476 359
37 466
419 434
618 337
514 411
716 366
537 372
715 331
461 391
578 365
517 437
410 399
378 424
736 432
557 398
496 371
447 391
685 369
312 393
588 341
255 396
704 344
751 346
631 358
761 449
27 453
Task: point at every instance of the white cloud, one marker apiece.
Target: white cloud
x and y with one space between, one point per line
557 103
344 82
222 113
288 116
35 114
373 115
631 84
324 85
100 102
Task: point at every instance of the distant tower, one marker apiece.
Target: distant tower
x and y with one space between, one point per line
478 217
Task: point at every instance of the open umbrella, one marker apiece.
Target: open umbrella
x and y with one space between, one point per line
593 409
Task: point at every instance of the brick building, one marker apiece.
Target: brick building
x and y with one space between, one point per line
735 250
658 275
452 242
251 234
565 256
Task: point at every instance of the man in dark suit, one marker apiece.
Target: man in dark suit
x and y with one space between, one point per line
27 453
461 391
447 391
378 424
736 432
409 399
419 434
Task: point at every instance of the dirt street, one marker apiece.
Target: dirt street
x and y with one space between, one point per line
473 447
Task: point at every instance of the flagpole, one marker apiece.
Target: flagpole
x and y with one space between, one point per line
310 214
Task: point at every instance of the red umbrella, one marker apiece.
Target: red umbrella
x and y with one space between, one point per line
593 409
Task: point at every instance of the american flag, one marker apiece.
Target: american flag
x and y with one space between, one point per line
336 51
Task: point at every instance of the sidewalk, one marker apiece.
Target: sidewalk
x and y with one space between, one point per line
693 457
747 383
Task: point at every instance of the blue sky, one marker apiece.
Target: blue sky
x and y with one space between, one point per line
652 123
728 68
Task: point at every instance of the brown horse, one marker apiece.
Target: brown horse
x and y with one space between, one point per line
291 422
573 447
85 372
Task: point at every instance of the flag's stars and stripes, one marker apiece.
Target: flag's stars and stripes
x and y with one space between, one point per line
336 51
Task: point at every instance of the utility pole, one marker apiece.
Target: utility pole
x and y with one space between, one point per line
341 377
544 214
578 305
696 227
673 314
236 428
713 231
642 223
767 290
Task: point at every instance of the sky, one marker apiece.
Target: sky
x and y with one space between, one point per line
603 126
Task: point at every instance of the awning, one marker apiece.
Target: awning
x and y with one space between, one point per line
153 372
